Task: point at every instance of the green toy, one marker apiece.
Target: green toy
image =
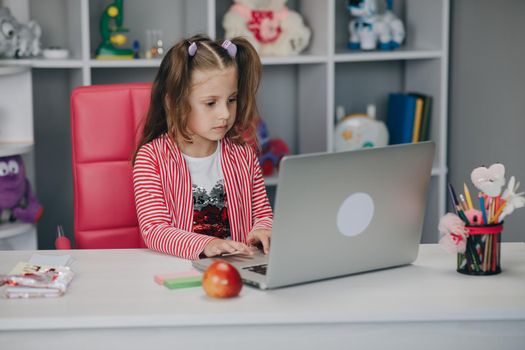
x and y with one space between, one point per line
112 34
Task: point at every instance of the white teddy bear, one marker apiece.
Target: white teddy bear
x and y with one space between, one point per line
269 25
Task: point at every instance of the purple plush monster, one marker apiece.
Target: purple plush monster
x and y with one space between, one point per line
16 197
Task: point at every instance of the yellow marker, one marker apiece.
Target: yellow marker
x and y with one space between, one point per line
467 195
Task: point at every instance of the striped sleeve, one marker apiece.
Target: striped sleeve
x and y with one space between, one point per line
155 223
262 214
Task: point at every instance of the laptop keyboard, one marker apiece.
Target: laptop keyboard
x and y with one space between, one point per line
260 269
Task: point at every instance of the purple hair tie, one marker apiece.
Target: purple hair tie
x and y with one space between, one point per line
230 47
192 49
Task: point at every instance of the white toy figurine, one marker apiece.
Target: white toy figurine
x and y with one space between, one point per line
355 131
18 40
371 30
269 25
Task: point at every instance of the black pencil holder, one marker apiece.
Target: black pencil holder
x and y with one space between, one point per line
482 253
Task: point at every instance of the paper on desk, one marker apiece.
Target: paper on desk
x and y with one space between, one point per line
51 260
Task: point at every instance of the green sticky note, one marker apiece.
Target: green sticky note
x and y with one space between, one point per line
183 282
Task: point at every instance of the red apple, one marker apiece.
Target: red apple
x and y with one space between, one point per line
221 280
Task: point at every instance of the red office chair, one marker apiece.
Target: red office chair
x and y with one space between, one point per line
104 127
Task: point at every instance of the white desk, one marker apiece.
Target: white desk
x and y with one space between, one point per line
114 303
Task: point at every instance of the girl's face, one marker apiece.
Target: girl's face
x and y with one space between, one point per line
213 101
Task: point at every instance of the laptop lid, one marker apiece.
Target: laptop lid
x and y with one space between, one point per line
348 212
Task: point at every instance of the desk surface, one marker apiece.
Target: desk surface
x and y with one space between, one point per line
115 288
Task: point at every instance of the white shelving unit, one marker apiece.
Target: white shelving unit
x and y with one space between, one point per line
16 138
298 94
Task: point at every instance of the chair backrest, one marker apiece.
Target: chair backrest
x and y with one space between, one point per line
105 120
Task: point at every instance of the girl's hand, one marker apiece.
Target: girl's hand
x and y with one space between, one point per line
223 246
260 236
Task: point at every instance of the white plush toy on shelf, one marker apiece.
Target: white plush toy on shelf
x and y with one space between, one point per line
272 28
370 31
355 131
18 40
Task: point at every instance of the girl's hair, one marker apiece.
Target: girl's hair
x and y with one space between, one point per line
169 106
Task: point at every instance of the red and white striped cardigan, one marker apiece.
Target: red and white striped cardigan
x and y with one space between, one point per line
164 197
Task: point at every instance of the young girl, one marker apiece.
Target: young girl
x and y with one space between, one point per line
199 189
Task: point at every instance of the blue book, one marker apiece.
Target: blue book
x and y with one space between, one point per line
400 117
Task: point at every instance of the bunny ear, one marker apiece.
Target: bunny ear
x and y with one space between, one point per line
509 190
497 170
510 185
478 176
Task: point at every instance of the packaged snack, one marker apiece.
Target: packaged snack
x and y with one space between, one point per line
34 281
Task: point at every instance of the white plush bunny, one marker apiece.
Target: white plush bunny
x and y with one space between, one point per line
18 40
514 200
269 25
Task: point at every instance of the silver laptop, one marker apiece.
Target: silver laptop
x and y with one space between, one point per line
342 213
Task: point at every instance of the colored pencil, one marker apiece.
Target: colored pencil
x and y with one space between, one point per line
494 253
498 213
463 203
483 209
485 252
489 253
462 215
492 211
453 197
467 196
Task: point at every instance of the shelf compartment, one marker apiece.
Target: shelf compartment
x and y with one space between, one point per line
123 75
16 112
361 83
282 104
421 18
315 16
277 103
176 19
61 22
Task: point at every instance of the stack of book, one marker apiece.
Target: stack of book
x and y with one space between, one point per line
408 117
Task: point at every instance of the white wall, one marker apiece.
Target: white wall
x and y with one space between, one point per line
487 93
